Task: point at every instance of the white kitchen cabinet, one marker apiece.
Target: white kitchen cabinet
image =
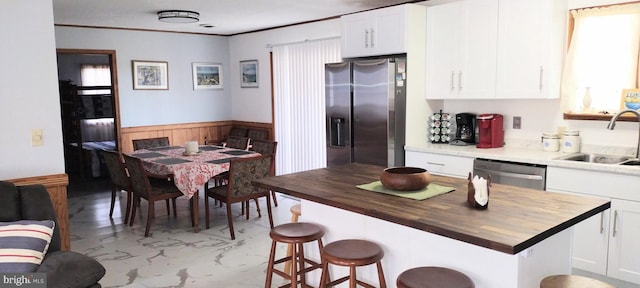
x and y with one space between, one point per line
439 164
624 251
531 42
605 243
487 49
379 32
461 49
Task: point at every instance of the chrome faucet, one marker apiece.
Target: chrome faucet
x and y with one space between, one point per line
612 124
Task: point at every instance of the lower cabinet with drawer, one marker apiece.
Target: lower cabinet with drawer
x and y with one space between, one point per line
606 243
439 164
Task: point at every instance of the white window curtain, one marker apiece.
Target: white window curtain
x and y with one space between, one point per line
602 57
299 105
95 75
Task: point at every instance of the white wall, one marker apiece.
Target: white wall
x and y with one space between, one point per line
254 104
29 91
179 104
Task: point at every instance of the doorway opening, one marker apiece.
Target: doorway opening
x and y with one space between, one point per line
89 106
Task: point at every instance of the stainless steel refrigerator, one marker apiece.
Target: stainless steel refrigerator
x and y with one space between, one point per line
366 111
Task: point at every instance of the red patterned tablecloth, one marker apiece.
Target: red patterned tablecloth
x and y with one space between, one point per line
193 171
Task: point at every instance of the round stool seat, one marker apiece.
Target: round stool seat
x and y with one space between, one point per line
298 232
433 277
572 281
296 210
352 252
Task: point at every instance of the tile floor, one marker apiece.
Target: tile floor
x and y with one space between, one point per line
173 255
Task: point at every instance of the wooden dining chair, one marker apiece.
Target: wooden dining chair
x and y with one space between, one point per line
257 134
267 147
237 142
238 131
150 143
119 180
151 190
238 189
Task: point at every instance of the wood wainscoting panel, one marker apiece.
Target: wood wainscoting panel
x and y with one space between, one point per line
57 187
180 133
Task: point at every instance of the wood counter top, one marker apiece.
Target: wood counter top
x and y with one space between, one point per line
516 219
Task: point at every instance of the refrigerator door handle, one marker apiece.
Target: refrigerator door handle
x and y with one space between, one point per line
336 135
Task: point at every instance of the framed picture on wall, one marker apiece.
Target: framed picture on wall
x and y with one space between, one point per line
630 99
207 76
249 74
150 75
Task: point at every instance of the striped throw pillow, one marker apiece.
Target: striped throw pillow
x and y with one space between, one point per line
23 244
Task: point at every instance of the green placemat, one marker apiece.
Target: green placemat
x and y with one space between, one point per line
431 190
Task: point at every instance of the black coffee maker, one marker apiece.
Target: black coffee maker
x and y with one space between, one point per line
465 129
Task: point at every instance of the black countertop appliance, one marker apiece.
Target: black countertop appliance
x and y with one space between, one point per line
465 129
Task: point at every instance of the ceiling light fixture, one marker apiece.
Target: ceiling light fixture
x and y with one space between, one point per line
178 16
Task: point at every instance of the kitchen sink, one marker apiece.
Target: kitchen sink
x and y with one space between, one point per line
632 162
599 158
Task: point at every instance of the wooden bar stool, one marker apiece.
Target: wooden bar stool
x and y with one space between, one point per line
433 277
352 253
572 281
296 211
295 234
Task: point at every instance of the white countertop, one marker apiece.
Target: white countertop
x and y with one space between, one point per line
526 153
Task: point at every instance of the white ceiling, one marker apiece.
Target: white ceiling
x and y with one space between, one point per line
227 16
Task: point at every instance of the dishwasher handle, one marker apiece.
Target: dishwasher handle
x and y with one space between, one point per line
511 175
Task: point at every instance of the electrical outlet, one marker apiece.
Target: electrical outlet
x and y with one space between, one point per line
517 122
36 137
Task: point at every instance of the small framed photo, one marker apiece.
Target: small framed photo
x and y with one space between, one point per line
249 74
630 99
150 75
207 76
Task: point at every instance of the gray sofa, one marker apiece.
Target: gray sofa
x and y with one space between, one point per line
65 269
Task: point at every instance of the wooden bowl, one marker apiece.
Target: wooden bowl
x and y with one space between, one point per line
405 178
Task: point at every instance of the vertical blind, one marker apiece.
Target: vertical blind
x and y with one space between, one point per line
299 105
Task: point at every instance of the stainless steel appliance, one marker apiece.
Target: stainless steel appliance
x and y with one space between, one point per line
365 104
511 173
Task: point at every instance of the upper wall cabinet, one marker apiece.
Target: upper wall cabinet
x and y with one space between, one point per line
461 49
487 49
531 45
378 32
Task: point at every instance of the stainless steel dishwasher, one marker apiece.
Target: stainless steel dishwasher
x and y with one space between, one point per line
512 173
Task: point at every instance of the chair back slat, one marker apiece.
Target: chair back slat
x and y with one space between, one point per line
264 147
137 175
244 170
150 143
260 134
237 131
117 169
237 142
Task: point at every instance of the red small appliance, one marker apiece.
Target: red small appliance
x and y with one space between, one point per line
490 131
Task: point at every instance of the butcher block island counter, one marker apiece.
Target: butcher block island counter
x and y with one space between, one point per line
519 239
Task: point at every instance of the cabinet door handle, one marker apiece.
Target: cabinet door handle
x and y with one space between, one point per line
453 75
437 164
615 222
601 222
460 81
540 78
373 38
366 38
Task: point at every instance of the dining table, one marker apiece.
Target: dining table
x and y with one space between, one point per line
190 171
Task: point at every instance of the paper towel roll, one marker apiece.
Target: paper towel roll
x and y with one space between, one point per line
191 147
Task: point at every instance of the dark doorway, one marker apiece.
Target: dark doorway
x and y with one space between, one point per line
89 106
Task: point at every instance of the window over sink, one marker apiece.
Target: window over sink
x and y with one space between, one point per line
602 60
